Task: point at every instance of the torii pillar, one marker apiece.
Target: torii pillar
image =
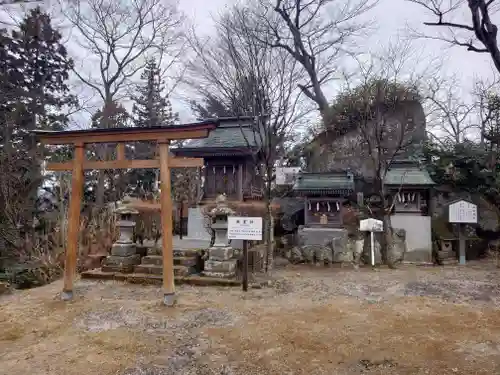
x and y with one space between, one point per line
163 136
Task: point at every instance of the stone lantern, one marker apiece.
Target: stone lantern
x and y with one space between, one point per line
222 258
126 225
124 255
219 216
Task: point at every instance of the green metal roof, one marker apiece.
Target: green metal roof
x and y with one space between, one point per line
337 182
230 134
407 173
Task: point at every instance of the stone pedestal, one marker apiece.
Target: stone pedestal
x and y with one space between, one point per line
222 259
124 255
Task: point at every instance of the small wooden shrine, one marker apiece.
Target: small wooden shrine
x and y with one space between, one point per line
410 186
324 196
229 153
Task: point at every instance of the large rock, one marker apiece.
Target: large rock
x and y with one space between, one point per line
318 253
294 255
377 252
399 247
318 245
488 214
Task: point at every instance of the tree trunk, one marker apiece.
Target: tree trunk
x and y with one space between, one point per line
181 212
388 242
384 214
269 228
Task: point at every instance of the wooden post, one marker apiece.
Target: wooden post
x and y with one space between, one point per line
120 151
245 266
73 222
240 182
461 244
167 227
181 218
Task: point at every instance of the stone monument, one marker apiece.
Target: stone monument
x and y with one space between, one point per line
221 258
124 255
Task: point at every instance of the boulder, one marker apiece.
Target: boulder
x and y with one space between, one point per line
294 255
399 246
377 252
318 253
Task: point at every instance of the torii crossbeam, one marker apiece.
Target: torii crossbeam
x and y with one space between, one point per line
162 135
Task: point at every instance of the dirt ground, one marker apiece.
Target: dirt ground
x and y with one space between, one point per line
413 320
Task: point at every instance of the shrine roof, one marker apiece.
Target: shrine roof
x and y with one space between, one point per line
408 172
331 182
234 134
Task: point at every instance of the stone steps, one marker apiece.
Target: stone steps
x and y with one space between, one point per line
141 278
177 252
152 269
157 260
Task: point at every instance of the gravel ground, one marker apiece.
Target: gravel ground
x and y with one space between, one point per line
414 320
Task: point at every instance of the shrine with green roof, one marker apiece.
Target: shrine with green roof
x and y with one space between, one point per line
324 196
409 184
229 153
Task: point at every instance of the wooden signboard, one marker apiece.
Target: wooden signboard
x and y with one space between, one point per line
462 212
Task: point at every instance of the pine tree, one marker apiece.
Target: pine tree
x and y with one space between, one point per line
34 68
151 107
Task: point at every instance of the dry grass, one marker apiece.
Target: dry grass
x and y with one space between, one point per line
313 321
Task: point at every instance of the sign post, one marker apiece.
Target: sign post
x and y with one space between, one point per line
372 226
244 228
462 212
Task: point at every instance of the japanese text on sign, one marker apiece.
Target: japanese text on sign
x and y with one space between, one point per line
462 212
244 228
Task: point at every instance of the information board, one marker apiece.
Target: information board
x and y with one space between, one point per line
462 212
244 228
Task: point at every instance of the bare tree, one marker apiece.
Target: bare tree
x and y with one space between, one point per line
479 35
448 111
381 102
10 2
121 35
259 81
315 33
487 107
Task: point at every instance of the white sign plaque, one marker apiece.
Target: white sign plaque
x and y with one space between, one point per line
244 228
462 212
371 225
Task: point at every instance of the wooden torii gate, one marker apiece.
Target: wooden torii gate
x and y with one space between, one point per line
121 136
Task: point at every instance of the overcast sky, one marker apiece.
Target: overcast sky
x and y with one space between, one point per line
393 17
